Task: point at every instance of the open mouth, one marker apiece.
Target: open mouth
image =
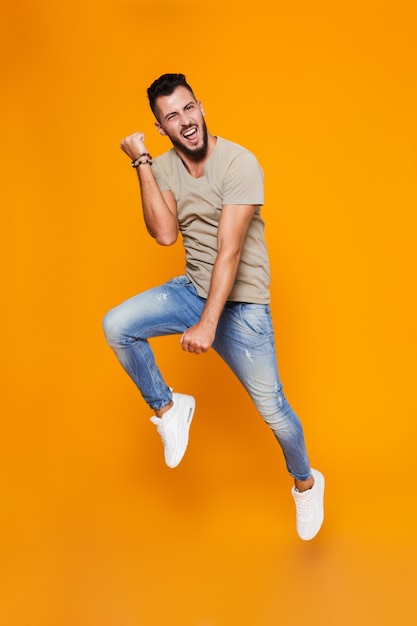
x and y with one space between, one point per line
190 133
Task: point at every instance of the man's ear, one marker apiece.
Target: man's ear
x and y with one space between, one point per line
200 104
160 129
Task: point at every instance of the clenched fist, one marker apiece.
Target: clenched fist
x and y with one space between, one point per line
198 338
134 145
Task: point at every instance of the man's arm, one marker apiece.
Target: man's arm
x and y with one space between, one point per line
233 225
159 208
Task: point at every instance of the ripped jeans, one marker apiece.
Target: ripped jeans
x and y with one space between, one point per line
244 339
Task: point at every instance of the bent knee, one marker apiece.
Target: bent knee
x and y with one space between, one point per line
111 327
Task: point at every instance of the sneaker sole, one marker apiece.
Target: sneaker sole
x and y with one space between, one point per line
320 482
191 401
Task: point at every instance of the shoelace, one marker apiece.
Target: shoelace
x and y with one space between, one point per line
303 505
165 435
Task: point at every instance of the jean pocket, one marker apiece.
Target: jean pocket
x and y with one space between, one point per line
257 318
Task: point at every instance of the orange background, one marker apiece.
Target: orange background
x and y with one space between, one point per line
95 530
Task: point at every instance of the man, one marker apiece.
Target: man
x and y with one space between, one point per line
211 190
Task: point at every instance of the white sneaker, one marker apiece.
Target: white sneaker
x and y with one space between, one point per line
174 427
309 507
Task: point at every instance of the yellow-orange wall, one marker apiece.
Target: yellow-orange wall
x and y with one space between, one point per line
95 530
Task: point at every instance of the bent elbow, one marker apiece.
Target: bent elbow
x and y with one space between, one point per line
166 239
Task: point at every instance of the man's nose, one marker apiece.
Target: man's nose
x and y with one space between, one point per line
185 119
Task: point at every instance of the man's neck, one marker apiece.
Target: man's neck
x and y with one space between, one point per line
196 168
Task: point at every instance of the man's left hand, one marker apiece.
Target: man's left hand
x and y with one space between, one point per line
197 339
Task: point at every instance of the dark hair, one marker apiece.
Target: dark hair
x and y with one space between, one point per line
165 85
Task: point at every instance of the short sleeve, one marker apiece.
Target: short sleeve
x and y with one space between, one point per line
160 177
244 180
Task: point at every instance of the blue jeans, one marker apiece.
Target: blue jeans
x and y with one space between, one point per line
244 339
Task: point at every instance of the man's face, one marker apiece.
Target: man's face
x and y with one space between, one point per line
181 118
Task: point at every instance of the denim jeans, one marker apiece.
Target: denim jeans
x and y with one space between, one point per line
244 339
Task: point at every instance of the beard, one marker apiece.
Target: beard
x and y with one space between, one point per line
198 153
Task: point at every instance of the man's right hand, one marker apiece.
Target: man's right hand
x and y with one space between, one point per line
134 145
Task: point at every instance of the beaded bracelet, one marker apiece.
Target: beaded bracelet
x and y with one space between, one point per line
136 162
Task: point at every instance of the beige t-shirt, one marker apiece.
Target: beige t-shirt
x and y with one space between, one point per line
232 176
